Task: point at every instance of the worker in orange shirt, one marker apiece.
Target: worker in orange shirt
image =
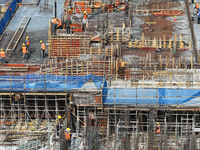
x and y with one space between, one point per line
157 127
85 21
67 136
24 50
2 57
42 48
59 23
69 12
55 23
27 42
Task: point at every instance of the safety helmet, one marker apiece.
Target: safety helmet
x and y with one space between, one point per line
68 129
1 49
40 41
23 44
59 117
69 9
195 1
68 18
27 37
84 12
52 17
157 123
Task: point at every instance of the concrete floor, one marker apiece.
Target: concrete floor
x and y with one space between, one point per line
37 30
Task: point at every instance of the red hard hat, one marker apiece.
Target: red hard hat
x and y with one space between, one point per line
68 17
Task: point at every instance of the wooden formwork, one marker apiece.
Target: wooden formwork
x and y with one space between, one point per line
177 43
75 67
68 45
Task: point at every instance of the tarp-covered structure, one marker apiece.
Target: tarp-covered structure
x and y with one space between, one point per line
151 96
46 82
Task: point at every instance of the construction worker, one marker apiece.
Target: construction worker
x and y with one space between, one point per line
42 48
59 23
157 127
2 57
198 17
67 136
58 124
24 50
85 21
68 22
27 42
55 23
69 13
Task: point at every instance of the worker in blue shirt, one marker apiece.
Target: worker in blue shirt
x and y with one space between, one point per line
198 17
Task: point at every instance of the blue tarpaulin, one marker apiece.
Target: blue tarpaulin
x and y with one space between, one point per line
7 15
160 96
33 82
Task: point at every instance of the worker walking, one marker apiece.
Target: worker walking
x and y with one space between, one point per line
27 42
55 23
67 137
59 23
24 50
42 48
68 22
2 57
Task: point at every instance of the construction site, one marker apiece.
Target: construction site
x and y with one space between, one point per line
115 75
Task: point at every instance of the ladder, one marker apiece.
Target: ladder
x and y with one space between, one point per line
15 39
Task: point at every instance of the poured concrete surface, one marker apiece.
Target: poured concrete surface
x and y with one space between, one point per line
37 30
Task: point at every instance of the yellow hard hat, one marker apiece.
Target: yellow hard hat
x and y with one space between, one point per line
68 129
195 1
53 17
157 123
40 41
27 37
23 43
84 12
1 49
30 124
69 9
59 117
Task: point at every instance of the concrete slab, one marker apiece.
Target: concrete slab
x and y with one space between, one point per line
37 30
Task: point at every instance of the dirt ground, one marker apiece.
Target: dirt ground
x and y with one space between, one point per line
159 29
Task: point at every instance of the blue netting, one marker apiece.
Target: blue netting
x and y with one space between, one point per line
7 15
33 82
149 96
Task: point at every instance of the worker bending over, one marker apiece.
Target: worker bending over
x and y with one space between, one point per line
27 42
59 23
85 21
24 50
68 22
55 24
2 57
42 48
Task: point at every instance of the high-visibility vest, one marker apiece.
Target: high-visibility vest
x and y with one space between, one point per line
67 136
54 21
157 129
85 16
24 49
2 54
69 13
43 46
59 23
197 6
27 42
